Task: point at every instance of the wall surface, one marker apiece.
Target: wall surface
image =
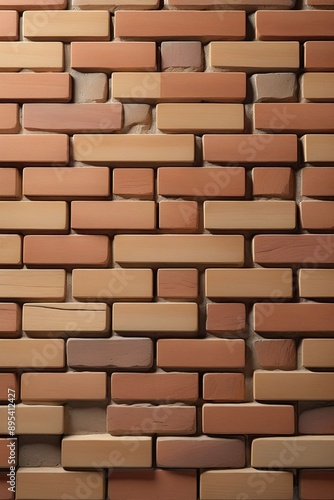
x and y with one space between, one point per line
166 250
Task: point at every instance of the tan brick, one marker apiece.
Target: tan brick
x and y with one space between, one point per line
35 419
66 25
228 317
178 215
316 484
177 283
32 284
50 387
188 249
259 283
34 149
317 215
318 86
9 118
317 181
10 320
290 386
50 483
290 117
8 381
316 283
29 353
248 5
133 183
274 87
313 451
149 419
104 450
9 27
318 353
38 56
10 249
22 5
33 215
224 387
10 183
318 56
55 87
155 317
278 354
114 4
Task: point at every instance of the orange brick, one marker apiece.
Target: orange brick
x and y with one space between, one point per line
319 56
9 25
320 3
222 318
224 387
10 320
22 5
167 387
33 215
179 215
169 25
248 418
8 381
114 4
248 5
73 118
133 183
10 183
317 181
10 249
317 215
247 148
111 215
55 87
34 149
273 182
8 453
276 354
197 182
178 283
316 484
69 250
72 182
9 118
200 354
116 56
294 25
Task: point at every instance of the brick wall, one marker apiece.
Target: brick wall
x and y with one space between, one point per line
167 249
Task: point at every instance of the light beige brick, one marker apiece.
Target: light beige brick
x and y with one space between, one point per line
318 86
32 284
31 353
38 56
34 419
318 353
318 147
33 215
10 249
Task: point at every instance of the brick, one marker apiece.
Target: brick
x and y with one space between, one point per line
318 353
294 25
10 320
250 148
317 181
66 25
113 56
110 215
313 451
317 421
70 118
317 215
248 283
4 491
21 5
188 249
248 5
145 387
209 182
111 354
316 484
177 283
316 283
33 215
155 317
248 418
49 483
273 182
318 56
199 118
226 484
28 353
69 317
8 381
114 4
8 452
250 56
9 25
69 250
179 86
276 354
17 87
34 149
178 215
224 387
71 182
149 419
317 86
134 148
249 215
154 483
10 183
320 3
275 87
303 317
200 354
46 387
175 55
35 56
290 386
293 249
9 118
222 318
104 450
32 284
200 452
112 284
133 183
169 25
10 249
294 117
35 419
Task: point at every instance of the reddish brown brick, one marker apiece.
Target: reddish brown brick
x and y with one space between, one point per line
223 318
224 387
276 354
10 320
178 283
316 484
